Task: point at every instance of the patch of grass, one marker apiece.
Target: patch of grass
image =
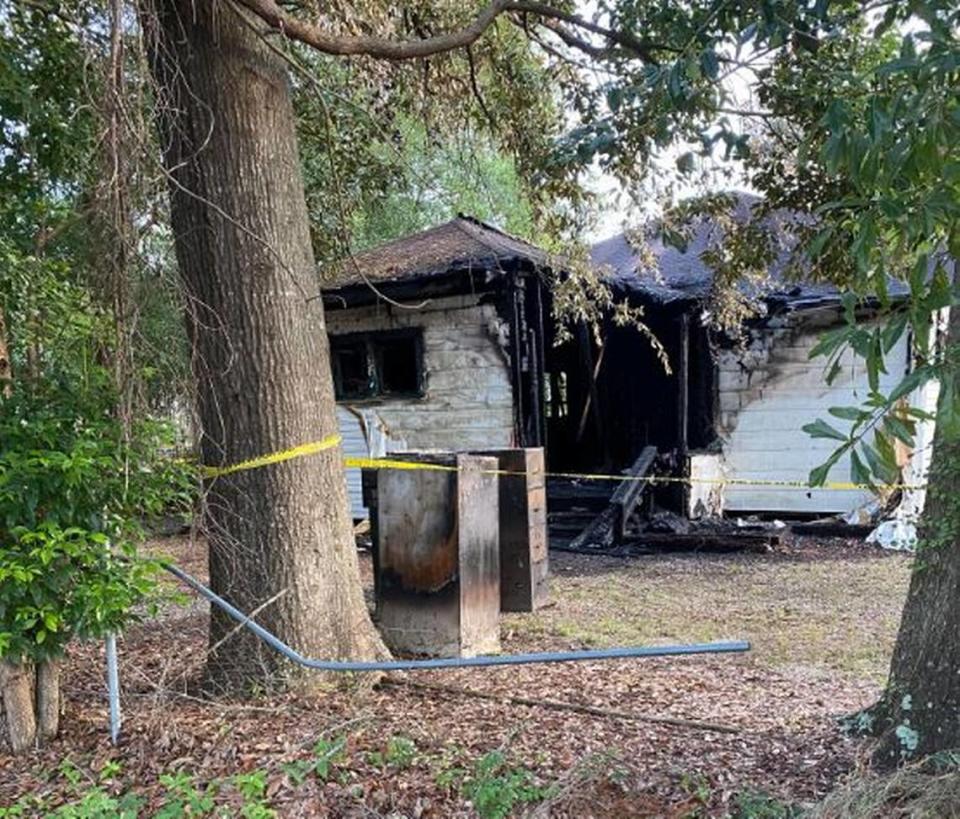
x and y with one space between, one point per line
401 752
328 754
929 790
837 614
754 805
100 796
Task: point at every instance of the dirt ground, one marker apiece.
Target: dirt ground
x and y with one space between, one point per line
821 619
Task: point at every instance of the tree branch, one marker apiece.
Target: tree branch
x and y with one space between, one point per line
475 87
318 38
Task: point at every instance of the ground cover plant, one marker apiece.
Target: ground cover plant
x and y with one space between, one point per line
413 750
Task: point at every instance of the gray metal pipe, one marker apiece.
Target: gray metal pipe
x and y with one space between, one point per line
274 642
113 687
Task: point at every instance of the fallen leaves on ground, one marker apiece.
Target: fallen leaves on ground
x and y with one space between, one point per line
787 745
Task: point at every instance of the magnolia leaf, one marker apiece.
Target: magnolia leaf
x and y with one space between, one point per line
909 383
900 429
882 465
858 471
829 342
834 371
884 446
893 331
821 429
849 413
818 475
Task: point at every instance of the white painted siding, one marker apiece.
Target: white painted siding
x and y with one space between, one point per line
468 398
364 436
767 393
354 446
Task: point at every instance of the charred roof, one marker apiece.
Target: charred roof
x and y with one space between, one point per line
665 274
462 244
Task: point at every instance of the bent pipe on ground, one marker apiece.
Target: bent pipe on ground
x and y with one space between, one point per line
274 642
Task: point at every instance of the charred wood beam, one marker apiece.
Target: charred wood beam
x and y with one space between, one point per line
683 408
629 493
708 541
609 527
592 402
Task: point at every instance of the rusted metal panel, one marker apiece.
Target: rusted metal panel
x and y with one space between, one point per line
437 566
524 563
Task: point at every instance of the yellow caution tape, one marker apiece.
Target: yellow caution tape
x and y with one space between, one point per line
390 463
273 458
387 463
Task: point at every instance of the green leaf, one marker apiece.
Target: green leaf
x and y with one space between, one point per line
882 464
908 384
834 371
819 242
614 98
893 331
818 475
830 342
858 471
900 429
821 429
849 413
709 63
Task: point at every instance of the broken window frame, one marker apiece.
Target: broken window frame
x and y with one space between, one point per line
373 344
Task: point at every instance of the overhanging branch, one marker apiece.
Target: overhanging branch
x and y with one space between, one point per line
381 47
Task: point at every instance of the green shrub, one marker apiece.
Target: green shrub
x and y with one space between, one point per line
75 486
493 786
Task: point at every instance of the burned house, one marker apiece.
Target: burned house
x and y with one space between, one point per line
437 342
736 410
444 340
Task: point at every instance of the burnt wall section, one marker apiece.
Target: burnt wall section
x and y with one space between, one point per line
767 391
524 561
466 398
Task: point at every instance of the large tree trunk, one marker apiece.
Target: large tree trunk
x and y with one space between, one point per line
280 536
920 712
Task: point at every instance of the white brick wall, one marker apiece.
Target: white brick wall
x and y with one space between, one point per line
468 400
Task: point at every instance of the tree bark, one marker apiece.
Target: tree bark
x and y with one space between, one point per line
6 369
280 533
48 699
920 710
16 689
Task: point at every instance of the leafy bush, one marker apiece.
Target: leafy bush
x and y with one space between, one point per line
401 752
75 486
494 787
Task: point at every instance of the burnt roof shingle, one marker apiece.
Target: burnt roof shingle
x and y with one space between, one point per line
682 276
460 244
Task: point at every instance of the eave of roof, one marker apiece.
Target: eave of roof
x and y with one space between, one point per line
462 244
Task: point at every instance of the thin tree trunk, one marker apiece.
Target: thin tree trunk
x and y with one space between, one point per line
48 699
6 368
920 711
16 688
280 533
